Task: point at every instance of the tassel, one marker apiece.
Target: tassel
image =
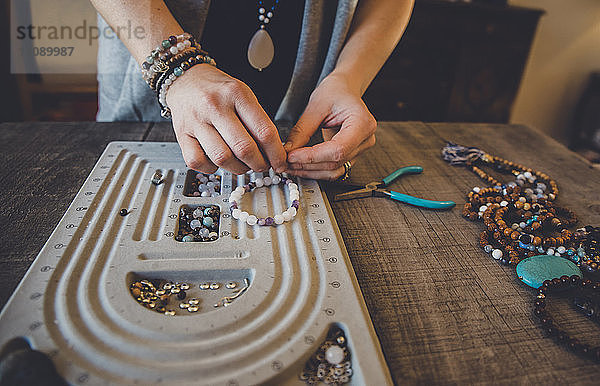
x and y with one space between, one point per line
461 155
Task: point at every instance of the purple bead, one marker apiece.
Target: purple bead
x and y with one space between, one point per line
283 180
252 185
247 188
296 204
288 181
173 40
261 221
234 204
269 221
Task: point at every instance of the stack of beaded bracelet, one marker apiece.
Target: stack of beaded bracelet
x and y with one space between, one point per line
177 69
250 219
169 61
550 327
155 62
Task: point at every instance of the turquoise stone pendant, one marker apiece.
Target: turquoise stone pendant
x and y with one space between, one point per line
534 270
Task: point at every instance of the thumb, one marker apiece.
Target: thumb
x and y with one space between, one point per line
307 125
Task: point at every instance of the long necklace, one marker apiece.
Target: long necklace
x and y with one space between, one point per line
261 49
525 228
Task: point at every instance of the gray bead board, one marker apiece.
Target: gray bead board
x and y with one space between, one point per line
75 305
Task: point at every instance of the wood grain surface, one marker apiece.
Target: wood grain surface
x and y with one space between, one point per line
444 311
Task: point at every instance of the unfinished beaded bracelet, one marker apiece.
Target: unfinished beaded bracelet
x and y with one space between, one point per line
278 219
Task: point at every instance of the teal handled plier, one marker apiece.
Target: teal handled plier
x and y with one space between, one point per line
375 189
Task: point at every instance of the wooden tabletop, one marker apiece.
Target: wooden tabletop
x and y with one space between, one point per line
444 311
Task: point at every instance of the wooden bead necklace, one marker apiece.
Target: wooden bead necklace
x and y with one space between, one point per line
520 216
553 329
524 226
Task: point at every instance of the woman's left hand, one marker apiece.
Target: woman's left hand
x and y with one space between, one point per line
347 125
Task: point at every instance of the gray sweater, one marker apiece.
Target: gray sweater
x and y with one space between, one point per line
124 96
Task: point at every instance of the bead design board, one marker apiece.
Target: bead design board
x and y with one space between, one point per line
75 303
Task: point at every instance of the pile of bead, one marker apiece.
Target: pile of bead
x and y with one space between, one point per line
202 185
156 294
331 363
278 219
198 223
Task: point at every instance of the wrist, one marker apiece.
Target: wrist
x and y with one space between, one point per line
351 83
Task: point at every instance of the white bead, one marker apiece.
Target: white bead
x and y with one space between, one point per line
551 196
292 185
550 251
527 175
522 225
523 199
287 216
252 220
198 213
240 190
476 189
269 14
261 10
261 17
294 196
497 254
205 194
292 211
168 82
236 213
482 208
174 50
259 182
187 43
278 219
276 180
180 46
561 249
504 203
267 181
244 216
334 354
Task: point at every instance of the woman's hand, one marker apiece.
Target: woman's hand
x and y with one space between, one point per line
347 125
218 122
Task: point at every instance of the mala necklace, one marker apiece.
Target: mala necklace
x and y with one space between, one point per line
520 216
522 223
261 49
278 219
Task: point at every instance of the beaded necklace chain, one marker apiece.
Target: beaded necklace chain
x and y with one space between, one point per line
524 227
520 216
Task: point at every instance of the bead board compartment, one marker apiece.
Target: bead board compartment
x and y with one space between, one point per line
74 302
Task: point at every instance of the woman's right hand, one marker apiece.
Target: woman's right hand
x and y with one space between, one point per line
218 122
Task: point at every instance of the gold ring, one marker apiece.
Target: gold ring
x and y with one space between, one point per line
347 170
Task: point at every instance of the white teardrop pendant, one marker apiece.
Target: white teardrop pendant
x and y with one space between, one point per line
261 50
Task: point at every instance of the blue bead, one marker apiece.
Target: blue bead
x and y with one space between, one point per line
188 238
524 246
207 221
207 211
534 270
570 252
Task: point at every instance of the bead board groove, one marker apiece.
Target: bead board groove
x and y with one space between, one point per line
74 302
